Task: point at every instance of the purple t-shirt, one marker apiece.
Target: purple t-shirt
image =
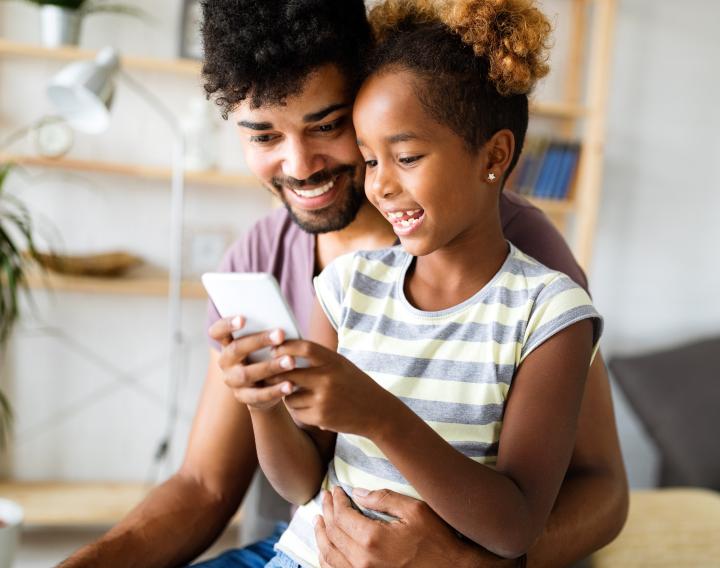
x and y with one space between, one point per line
277 245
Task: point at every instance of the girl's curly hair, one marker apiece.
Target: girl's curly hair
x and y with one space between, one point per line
264 50
476 60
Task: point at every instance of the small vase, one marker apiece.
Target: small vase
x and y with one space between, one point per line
59 26
11 517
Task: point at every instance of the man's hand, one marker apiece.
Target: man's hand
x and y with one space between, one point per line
418 538
253 384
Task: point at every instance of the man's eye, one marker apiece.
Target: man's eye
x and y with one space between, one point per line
409 159
330 126
262 138
370 163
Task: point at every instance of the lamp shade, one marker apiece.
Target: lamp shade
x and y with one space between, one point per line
82 92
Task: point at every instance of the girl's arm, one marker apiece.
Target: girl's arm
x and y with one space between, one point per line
503 509
294 457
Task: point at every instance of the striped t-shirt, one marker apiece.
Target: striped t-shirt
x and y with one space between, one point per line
452 367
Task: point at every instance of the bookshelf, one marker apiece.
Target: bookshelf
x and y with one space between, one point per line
582 110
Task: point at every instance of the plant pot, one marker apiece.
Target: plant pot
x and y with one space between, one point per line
59 26
11 516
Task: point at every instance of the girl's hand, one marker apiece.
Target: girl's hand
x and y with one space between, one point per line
332 393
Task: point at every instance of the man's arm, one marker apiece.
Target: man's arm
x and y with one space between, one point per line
592 505
183 516
589 512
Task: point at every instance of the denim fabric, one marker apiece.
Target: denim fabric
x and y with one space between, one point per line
282 560
256 555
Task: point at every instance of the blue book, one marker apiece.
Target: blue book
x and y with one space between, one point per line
547 172
568 170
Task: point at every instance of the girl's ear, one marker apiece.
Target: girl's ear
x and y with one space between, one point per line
499 151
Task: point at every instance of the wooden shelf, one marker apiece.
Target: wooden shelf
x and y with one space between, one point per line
208 177
57 504
558 110
177 66
192 67
553 206
142 282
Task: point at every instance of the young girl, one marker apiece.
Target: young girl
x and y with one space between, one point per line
451 367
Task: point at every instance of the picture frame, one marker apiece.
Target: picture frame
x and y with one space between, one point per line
190 37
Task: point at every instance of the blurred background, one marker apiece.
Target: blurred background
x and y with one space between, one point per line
86 368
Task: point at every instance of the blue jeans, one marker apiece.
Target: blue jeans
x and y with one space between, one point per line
257 555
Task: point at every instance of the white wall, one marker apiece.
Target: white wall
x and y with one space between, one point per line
88 373
655 275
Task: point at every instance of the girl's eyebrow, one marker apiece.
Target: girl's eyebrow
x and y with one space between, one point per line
403 137
397 138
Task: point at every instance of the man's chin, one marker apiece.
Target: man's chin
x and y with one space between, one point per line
335 217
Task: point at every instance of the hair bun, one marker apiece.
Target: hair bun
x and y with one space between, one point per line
513 35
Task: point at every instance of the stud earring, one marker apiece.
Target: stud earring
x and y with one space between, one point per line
491 177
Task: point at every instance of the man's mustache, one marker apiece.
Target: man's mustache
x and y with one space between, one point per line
318 178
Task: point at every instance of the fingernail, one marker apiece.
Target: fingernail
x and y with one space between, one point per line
287 388
360 492
286 362
236 322
316 520
276 337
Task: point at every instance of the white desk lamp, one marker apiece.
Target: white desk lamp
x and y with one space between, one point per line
82 93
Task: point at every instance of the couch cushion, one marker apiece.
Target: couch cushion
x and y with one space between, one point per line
676 395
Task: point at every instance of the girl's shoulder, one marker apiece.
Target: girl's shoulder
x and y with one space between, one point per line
522 272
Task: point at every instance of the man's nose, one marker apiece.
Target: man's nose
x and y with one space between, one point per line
301 161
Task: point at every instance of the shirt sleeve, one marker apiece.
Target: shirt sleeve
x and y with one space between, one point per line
560 304
330 288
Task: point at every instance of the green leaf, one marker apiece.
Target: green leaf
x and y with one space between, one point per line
14 217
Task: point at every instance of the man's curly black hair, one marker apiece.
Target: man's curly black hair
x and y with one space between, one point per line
264 50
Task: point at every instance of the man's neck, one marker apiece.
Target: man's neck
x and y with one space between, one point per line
370 230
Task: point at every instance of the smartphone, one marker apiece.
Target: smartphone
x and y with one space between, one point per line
257 297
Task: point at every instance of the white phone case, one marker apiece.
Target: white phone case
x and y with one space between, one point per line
257 297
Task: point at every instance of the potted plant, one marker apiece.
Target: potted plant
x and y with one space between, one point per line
60 20
15 235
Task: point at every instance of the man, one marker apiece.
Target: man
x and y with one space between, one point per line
286 72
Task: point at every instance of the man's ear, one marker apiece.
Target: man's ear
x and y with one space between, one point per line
499 151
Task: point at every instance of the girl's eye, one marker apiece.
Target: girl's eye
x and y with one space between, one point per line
370 163
409 159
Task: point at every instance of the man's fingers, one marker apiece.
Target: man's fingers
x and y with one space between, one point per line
239 376
330 556
222 330
347 544
346 519
236 351
387 501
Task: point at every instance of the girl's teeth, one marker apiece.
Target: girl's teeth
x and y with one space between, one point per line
317 191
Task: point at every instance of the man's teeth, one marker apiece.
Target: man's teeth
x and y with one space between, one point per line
315 192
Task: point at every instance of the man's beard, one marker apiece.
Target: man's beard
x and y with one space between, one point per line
336 216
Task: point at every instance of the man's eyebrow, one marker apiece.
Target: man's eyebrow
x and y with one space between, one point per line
255 125
319 115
